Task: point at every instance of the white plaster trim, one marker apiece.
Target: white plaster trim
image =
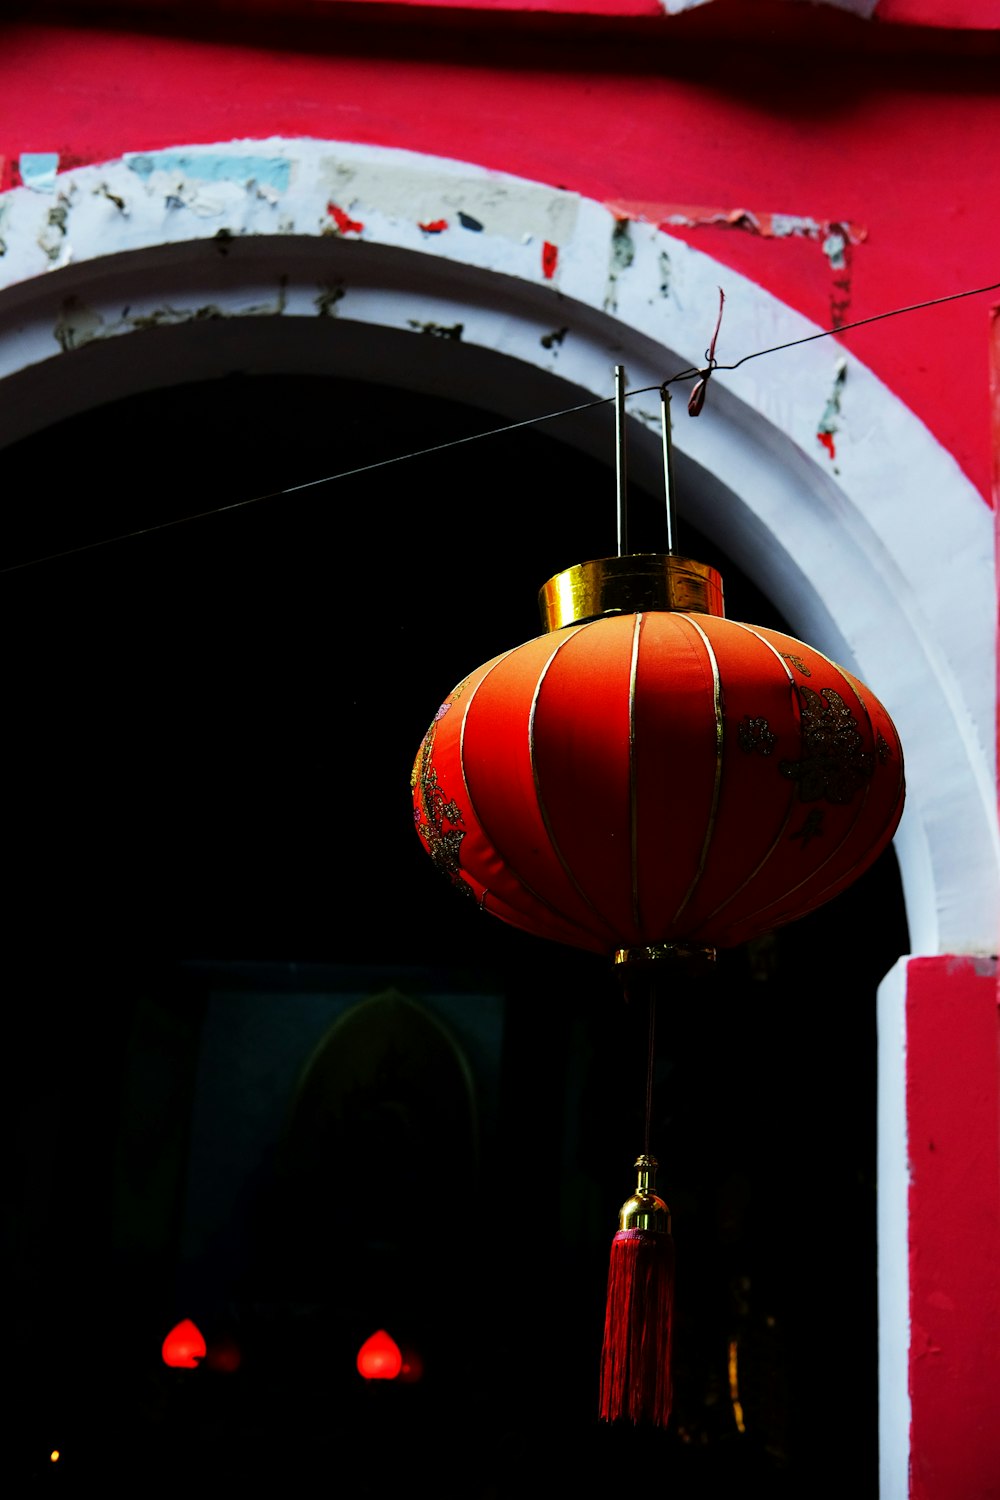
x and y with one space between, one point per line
863 8
244 232
893 1176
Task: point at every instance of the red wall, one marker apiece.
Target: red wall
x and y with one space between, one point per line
899 143
953 1131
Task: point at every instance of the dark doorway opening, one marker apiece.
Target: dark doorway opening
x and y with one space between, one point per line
210 733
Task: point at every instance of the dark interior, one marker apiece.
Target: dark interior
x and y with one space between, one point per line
209 863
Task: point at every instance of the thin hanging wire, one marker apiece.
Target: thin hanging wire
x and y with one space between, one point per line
620 473
691 373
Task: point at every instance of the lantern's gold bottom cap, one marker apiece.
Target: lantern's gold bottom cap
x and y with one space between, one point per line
692 955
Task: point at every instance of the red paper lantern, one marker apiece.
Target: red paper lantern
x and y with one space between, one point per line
653 781
661 776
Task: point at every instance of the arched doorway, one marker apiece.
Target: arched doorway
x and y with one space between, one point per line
395 319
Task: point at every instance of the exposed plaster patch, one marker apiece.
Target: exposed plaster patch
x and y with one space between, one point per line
272 172
52 237
835 237
518 228
481 202
38 170
78 324
769 225
838 247
828 422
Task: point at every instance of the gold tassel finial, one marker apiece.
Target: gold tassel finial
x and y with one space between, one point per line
645 1209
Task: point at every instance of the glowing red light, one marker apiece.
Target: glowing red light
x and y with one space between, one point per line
184 1347
379 1357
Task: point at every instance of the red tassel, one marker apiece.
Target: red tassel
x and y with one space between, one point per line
638 1322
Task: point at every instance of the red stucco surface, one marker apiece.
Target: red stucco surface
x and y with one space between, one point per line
953 1128
816 122
903 149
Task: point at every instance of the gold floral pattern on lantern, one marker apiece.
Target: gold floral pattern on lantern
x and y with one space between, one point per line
797 663
811 829
756 736
834 765
441 826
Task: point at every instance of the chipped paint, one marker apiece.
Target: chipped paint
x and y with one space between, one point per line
433 226
78 324
484 202
326 300
272 172
829 233
103 191
342 219
833 235
622 248
828 422
52 238
554 339
38 170
437 330
550 259
622 256
838 246
836 237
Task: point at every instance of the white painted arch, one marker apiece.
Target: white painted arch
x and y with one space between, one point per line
249 249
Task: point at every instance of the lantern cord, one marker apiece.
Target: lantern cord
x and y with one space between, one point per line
696 400
651 1049
668 466
691 373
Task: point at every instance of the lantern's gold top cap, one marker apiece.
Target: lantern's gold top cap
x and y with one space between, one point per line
627 585
645 1209
696 957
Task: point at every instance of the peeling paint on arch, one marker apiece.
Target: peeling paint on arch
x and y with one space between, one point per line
564 284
